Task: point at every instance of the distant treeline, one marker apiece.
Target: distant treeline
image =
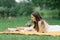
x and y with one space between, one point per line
46 8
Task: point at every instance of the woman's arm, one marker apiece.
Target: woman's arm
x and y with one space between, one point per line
29 28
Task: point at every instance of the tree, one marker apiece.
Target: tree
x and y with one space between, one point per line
47 4
24 8
7 3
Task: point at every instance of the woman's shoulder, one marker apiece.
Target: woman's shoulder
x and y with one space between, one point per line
41 21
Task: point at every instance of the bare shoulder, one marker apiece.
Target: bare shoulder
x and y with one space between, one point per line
40 21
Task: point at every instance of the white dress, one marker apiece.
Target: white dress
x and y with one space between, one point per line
52 28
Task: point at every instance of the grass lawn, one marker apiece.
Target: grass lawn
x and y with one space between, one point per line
20 21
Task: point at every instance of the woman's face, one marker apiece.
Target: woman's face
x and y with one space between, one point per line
33 18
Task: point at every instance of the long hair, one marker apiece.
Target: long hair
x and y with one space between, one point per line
38 18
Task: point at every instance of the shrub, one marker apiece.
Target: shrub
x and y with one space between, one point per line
50 13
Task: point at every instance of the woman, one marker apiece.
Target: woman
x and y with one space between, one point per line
40 25
38 22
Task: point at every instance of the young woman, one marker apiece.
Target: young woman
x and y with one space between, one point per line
38 22
40 25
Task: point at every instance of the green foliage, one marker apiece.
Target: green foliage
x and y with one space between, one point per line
15 9
47 4
2 11
7 3
24 8
50 13
48 8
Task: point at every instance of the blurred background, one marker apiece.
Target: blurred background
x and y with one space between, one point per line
16 8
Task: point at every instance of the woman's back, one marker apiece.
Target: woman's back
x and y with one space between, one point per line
42 25
52 28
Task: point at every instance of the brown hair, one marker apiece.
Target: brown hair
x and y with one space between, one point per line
38 18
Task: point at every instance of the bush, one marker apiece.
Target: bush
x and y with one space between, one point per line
50 13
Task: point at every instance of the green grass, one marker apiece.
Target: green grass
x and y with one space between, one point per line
14 22
28 37
20 21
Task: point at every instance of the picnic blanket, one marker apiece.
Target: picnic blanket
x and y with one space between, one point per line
31 33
